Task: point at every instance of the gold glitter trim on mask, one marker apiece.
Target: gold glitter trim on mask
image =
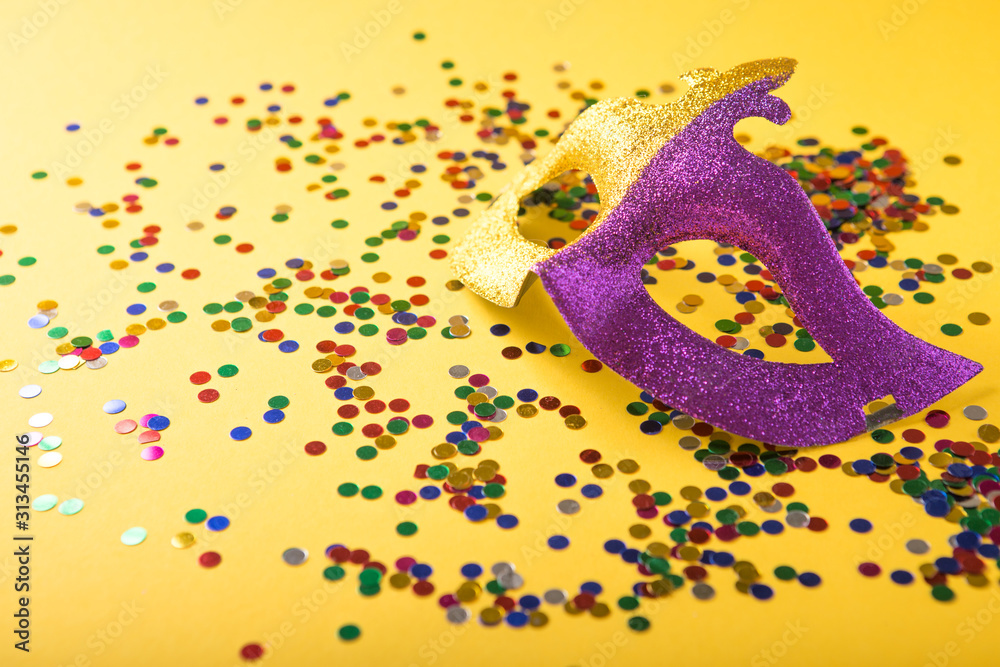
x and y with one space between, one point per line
613 141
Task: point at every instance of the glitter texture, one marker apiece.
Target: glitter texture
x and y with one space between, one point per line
673 173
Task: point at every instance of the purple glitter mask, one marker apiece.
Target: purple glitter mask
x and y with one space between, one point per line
687 178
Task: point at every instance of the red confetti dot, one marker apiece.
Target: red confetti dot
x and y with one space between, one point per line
244 247
315 448
252 652
913 435
783 489
591 366
335 381
590 456
348 411
190 274
372 430
374 406
208 395
209 559
200 377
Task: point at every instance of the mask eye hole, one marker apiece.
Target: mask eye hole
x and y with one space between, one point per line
560 211
723 293
881 411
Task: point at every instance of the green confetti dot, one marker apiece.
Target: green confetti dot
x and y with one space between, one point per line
560 349
278 402
228 370
951 329
233 307
105 335
662 498
637 408
212 308
364 313
504 402
369 257
628 603
804 344
349 632
7 279
438 472
406 528
222 239
333 573
304 309
57 332
397 426
882 436
195 516
419 36
638 623
342 428
366 453
747 528
368 329
105 249
26 261
339 224
457 417
82 341
177 317
942 593
371 492
416 333
146 288
441 239
348 489
38 175
494 490
241 324
326 311
785 572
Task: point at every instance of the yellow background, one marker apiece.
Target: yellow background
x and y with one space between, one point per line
930 75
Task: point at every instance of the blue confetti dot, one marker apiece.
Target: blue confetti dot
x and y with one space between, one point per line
73 127
274 416
591 491
240 433
430 492
591 587
558 542
863 467
529 602
937 508
948 565
912 453
810 579
723 559
267 273
288 345
158 423
527 395
901 577
499 329
114 406
421 570
344 393
138 256
715 493
535 348
909 284
201 100
476 512
507 521
650 427
517 619
471 570
761 591
343 327
565 480
217 523
266 86
631 555
739 488
136 309
772 527
614 546
861 525
678 517
166 267
109 348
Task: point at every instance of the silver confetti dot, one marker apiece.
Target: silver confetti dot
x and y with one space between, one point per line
458 372
568 506
892 299
689 442
499 415
501 568
511 580
775 507
917 546
457 614
555 596
975 412
702 591
295 556
488 391
797 519
355 373
714 462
